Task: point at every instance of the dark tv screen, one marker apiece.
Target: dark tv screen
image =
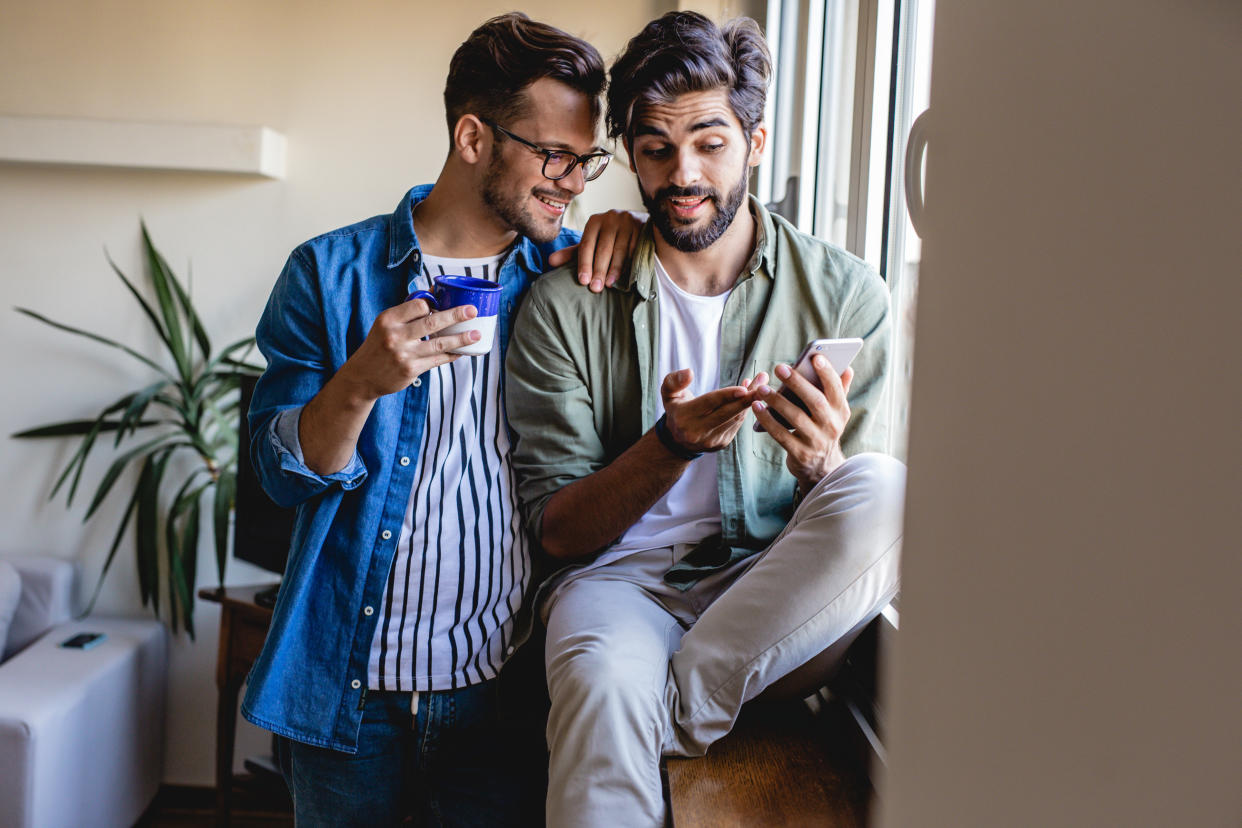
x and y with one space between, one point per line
261 529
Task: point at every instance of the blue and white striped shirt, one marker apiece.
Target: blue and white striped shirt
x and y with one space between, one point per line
462 561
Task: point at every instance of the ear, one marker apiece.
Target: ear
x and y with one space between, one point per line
472 140
758 142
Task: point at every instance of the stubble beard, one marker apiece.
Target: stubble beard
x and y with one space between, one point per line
510 210
688 239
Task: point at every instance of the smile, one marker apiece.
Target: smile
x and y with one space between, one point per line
555 207
687 207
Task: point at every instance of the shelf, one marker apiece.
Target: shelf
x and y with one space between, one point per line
248 150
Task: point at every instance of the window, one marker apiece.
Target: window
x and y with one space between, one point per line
851 79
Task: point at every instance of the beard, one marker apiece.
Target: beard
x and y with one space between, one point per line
511 208
685 238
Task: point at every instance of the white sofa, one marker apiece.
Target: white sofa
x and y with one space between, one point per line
81 731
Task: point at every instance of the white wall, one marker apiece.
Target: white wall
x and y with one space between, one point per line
1069 652
355 88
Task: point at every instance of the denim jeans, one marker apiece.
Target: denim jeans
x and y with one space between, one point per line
456 764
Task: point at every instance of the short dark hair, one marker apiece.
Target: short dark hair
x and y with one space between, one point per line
685 52
490 70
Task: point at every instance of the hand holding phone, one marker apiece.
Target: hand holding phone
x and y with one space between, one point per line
839 353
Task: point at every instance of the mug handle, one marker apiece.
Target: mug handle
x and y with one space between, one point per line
426 296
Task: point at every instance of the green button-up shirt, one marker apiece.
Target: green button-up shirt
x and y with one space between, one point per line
581 384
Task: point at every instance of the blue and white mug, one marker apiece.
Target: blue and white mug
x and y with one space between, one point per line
455 291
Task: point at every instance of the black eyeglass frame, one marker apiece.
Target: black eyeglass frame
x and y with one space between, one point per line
547 154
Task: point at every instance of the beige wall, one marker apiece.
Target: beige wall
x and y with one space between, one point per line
356 90
1069 651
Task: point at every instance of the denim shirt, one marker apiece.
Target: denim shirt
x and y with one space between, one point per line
309 682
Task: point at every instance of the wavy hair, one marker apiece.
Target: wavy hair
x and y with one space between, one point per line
685 52
491 69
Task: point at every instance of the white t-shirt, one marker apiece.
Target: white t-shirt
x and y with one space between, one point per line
689 337
462 561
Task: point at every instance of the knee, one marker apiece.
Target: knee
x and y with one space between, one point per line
592 674
870 481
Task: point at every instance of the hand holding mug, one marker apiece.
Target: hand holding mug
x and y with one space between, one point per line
460 291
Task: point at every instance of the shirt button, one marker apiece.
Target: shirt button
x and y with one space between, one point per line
355 684
385 534
368 610
417 382
405 461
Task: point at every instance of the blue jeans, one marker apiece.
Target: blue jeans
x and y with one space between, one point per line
458 763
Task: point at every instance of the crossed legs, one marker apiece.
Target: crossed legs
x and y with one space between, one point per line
637 668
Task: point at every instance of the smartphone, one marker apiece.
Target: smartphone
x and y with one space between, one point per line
839 353
83 641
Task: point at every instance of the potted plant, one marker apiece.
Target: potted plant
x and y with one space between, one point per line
189 409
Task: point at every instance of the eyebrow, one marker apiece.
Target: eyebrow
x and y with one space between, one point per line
711 123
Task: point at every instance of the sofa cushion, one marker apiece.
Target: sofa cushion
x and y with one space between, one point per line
10 596
48 587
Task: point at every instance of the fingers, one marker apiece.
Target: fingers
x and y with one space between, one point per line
562 256
435 322
675 384
623 249
782 435
586 250
833 388
815 400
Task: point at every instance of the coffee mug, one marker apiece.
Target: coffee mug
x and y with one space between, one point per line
455 291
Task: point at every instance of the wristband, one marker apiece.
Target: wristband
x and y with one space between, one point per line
665 437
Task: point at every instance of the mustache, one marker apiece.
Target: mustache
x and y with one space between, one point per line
685 192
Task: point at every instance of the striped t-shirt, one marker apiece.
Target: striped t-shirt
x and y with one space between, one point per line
462 561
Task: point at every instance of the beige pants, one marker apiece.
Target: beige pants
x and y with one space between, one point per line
637 668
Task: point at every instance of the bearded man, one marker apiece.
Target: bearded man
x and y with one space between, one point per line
704 562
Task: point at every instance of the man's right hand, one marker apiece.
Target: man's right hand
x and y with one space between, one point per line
395 351
708 422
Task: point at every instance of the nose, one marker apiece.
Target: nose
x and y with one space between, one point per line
686 170
575 182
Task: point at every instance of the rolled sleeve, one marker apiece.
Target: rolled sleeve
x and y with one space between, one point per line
285 441
291 337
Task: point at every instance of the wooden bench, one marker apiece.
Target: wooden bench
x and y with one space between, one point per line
789 763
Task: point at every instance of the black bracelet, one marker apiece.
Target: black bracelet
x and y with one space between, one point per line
662 432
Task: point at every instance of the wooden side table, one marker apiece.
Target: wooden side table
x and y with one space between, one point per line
243 629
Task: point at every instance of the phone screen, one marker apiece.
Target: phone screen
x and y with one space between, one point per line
82 641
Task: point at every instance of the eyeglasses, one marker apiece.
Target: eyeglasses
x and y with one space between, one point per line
559 163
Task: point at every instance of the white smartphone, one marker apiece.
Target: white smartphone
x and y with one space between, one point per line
839 353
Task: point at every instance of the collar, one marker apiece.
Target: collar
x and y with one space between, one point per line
641 276
403 241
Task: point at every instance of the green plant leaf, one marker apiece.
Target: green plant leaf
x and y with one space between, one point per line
96 337
226 496
228 352
116 542
118 465
160 278
137 407
147 529
196 325
72 428
146 306
84 449
180 557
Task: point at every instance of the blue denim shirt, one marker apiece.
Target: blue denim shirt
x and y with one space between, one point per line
309 680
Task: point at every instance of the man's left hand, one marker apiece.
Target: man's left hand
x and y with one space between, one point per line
813 446
608 243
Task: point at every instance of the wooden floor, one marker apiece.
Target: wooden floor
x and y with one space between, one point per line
779 767
256 805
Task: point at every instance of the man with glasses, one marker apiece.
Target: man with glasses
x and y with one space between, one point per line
402 597
705 562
